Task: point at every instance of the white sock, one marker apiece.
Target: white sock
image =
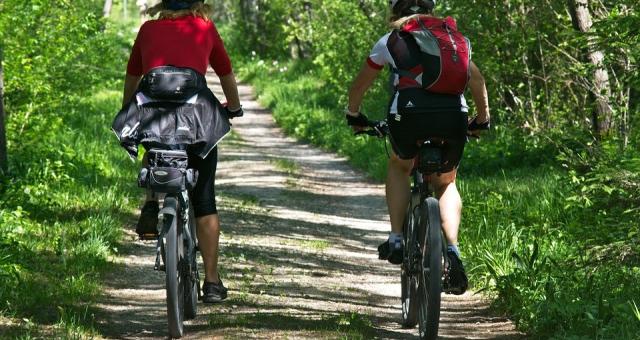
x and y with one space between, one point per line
395 240
454 248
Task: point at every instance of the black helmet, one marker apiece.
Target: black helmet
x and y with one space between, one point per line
177 5
427 3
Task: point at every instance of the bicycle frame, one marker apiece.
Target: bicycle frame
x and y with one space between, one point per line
177 241
424 257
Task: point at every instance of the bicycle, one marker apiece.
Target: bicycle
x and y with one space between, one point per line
423 268
176 248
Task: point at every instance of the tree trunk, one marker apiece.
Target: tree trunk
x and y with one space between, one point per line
601 89
106 10
3 134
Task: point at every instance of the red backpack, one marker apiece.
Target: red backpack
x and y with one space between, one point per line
441 55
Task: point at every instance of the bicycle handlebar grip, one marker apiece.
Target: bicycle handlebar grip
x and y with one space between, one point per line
474 125
233 114
359 120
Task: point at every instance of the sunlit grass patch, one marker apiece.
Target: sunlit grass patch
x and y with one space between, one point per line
285 165
240 202
311 244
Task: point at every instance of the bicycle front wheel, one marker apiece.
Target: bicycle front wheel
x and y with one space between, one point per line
408 279
174 252
191 277
430 286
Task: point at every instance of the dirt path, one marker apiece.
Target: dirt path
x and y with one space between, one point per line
300 231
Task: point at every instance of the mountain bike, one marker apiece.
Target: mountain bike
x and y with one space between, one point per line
176 248
425 255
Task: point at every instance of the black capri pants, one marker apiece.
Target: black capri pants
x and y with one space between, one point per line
203 196
411 128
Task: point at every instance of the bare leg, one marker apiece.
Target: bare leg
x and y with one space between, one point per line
208 238
450 204
398 190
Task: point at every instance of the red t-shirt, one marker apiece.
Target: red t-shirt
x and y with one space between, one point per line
187 41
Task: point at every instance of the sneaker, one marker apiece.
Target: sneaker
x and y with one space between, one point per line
213 292
394 255
147 226
456 279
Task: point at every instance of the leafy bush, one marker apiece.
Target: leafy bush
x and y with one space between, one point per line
67 194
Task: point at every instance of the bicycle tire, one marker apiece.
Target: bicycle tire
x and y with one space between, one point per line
408 279
430 286
174 283
191 279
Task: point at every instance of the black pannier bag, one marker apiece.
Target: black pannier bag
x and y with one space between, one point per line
167 172
172 83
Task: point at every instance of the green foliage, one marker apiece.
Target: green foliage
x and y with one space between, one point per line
68 190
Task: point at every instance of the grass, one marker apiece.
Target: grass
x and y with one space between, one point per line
69 190
317 245
285 165
63 218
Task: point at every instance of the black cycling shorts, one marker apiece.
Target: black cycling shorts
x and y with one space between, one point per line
203 196
414 127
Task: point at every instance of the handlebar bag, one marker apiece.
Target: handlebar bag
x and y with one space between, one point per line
167 172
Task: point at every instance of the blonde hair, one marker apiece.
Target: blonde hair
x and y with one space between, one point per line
200 10
399 23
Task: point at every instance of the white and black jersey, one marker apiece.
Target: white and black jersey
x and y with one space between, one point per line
407 97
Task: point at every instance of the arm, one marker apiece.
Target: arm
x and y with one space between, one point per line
359 87
230 89
130 85
479 93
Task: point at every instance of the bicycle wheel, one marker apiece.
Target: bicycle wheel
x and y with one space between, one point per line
430 285
191 277
408 279
174 283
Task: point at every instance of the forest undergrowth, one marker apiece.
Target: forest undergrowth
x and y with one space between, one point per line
69 187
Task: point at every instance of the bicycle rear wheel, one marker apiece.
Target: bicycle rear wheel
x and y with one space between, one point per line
430 285
174 253
191 277
408 278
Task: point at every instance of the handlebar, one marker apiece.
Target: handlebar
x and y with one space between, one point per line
377 128
380 128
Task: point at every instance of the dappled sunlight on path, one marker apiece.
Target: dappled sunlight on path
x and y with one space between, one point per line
300 231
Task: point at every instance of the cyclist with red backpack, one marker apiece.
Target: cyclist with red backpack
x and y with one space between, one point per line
431 65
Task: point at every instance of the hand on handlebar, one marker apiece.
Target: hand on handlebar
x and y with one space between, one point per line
474 127
378 129
232 114
357 123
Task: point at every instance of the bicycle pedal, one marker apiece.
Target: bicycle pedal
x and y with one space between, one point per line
160 268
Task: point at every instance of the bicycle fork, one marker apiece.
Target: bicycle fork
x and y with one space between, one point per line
169 209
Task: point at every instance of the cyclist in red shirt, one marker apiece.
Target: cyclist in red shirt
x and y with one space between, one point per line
414 114
184 36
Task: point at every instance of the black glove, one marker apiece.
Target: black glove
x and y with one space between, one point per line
473 126
359 120
232 114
